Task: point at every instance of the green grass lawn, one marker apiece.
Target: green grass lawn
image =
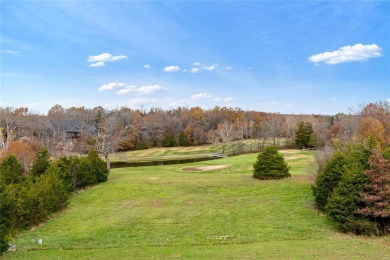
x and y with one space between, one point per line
179 152
165 212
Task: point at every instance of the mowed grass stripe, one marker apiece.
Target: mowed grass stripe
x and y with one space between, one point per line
165 212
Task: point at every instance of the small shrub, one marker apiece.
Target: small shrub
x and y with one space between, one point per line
270 165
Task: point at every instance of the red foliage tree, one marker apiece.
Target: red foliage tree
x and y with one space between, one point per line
376 196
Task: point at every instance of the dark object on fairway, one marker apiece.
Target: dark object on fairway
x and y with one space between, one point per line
270 165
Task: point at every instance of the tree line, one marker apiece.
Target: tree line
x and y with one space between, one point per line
28 197
124 128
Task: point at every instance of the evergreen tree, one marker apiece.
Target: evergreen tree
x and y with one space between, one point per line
345 199
5 221
183 140
169 141
376 195
305 136
344 202
270 165
98 166
68 171
11 171
327 180
312 142
41 164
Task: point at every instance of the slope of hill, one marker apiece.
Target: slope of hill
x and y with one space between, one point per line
167 212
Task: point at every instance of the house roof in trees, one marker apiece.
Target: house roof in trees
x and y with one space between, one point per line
70 126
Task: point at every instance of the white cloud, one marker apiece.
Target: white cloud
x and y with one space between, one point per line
229 68
101 59
171 68
125 89
147 66
195 70
332 99
357 52
111 86
217 99
149 89
211 67
199 67
203 95
97 64
228 99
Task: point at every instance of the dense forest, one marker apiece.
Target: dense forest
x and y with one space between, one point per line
74 130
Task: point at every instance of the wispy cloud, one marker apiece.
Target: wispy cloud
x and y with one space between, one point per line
147 66
211 67
97 64
229 68
11 52
111 86
101 59
332 99
218 99
357 52
172 68
195 70
199 67
123 88
203 95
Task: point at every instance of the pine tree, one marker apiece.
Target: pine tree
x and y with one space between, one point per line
169 141
301 136
376 195
5 222
41 164
327 180
305 136
270 164
11 171
183 140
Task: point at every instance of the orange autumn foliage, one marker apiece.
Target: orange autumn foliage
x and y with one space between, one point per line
25 152
371 127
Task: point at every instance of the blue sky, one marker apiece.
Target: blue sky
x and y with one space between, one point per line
288 57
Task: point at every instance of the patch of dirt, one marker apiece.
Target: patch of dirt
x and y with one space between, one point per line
204 168
289 151
156 203
191 202
291 157
153 178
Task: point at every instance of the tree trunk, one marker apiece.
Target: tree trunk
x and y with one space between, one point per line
108 162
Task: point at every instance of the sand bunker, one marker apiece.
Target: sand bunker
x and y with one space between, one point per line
204 168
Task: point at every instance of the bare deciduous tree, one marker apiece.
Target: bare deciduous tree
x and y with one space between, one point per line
225 133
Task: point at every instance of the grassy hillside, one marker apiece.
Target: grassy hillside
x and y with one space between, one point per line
165 212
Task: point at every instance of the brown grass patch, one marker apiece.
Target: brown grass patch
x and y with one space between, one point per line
204 168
